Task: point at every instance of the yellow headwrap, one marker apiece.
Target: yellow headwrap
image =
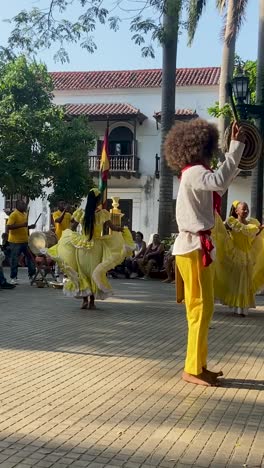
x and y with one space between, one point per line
96 191
235 203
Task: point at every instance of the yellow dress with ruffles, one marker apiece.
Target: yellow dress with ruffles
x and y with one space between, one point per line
239 265
86 262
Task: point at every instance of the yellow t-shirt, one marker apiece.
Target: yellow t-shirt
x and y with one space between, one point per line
20 235
65 224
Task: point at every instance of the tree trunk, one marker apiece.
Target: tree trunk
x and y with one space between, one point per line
227 70
257 178
171 27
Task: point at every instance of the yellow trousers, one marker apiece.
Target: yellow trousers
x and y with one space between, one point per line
199 302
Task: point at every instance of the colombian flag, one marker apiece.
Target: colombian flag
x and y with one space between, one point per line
104 169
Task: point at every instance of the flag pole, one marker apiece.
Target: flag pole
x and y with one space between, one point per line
106 188
104 167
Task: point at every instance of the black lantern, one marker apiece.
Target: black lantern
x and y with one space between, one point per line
241 88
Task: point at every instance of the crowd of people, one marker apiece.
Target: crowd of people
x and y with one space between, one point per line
90 247
143 262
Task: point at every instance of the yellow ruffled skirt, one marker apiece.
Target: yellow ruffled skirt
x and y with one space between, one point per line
239 274
86 263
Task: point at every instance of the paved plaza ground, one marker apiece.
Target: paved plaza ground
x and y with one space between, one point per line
103 388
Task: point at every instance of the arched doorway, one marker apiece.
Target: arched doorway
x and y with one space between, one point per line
121 141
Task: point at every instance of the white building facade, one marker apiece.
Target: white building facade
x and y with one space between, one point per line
130 101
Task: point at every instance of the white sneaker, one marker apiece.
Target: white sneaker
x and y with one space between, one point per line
13 281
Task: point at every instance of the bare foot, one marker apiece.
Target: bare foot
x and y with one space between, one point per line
166 281
201 379
84 304
92 305
213 374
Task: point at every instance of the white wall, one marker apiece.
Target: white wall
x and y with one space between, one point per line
148 101
240 189
144 191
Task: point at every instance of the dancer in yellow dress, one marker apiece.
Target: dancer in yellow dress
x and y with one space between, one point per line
87 257
189 147
239 269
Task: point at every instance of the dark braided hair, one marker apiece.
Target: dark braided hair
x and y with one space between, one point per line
93 201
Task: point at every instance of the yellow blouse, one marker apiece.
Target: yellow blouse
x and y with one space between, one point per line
243 235
101 217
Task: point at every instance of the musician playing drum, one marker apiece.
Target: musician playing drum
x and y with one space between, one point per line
62 218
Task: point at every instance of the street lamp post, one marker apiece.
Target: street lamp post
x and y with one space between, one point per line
240 86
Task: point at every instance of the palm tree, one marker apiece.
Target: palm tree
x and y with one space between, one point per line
171 19
234 15
257 179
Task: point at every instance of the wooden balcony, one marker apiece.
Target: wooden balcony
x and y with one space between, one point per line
120 166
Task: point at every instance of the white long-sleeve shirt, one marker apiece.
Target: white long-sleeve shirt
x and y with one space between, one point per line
194 208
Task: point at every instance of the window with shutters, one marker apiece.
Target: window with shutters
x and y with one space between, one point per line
10 201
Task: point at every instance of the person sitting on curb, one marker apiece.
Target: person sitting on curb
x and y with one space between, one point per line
153 257
132 264
3 283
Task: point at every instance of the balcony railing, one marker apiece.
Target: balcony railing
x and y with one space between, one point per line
125 165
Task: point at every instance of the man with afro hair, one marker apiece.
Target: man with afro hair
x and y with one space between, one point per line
189 149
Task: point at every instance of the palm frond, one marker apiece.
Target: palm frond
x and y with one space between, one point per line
238 18
221 5
195 9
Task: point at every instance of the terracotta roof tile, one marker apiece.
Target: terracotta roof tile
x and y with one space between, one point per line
208 76
104 109
179 112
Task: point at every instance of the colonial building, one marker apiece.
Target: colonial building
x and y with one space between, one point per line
130 101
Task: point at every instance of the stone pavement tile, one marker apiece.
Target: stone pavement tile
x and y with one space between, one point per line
79 449
131 465
73 455
3 458
9 465
51 458
87 457
36 456
59 465
44 463
96 465
16 459
21 465
79 464
29 462
117 463
107 388
4 444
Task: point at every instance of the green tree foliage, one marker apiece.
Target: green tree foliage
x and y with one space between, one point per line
197 7
68 168
37 144
249 67
38 28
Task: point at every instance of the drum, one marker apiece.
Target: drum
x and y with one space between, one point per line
253 145
41 240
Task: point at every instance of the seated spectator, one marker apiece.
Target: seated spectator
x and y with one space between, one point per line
169 266
5 247
153 257
132 264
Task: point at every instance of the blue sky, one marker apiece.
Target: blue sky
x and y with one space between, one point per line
116 51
